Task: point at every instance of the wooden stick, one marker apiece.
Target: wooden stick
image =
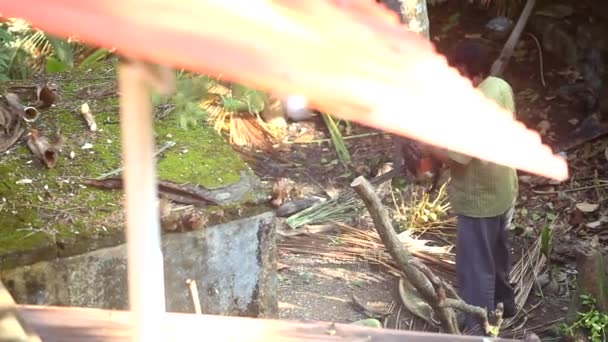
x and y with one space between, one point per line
501 63
401 255
195 298
540 59
464 307
145 261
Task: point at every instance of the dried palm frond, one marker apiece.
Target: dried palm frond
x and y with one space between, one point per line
360 244
525 275
243 128
247 130
218 115
352 244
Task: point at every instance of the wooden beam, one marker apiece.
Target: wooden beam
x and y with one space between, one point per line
63 324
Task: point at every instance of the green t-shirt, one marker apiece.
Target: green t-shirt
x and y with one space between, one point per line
480 188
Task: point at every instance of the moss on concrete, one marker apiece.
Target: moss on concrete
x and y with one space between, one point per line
201 156
54 214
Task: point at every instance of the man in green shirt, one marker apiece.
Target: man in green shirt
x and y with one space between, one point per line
483 195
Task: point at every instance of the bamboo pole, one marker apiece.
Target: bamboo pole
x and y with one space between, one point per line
145 262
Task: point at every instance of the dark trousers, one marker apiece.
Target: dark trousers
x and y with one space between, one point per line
483 263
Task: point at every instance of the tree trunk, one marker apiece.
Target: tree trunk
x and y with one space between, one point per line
413 13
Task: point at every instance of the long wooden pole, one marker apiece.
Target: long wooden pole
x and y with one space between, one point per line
501 63
145 261
365 66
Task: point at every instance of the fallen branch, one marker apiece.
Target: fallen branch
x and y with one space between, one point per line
478 311
430 287
461 305
189 195
507 51
498 312
401 255
471 309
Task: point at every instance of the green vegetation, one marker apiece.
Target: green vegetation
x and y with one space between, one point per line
56 215
243 99
337 139
190 89
592 320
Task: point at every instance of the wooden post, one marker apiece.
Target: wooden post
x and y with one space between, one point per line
145 262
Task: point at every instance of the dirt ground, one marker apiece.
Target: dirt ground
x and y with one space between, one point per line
319 288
